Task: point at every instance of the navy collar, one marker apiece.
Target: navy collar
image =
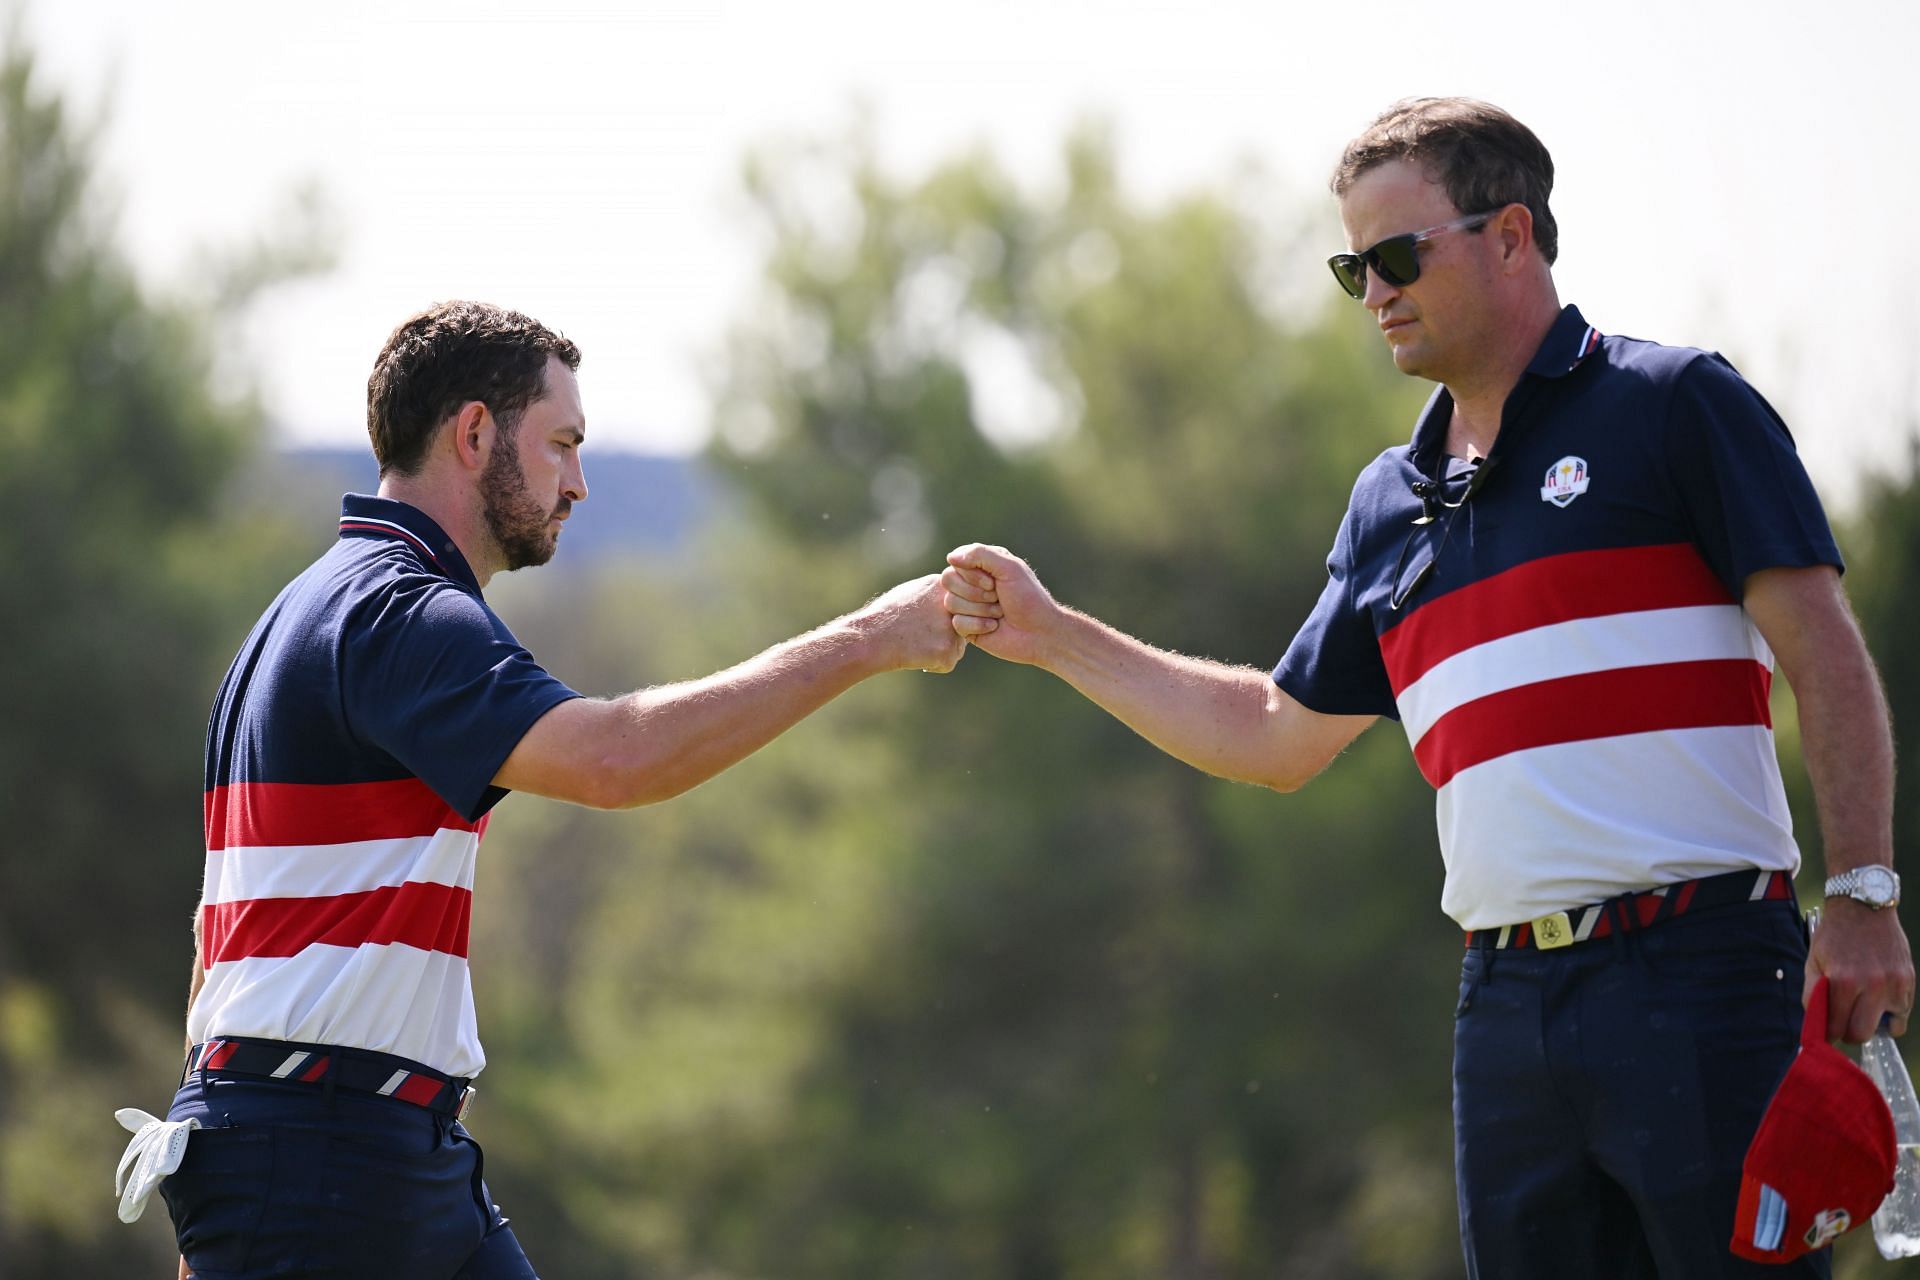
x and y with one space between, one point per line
1569 342
362 516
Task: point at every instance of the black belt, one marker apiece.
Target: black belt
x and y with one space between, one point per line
1632 912
332 1066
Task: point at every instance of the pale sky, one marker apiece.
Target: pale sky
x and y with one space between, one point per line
1731 175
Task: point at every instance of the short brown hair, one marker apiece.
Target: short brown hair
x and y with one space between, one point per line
1483 157
448 355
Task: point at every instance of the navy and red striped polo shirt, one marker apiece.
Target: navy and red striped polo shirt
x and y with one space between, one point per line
1575 672
350 762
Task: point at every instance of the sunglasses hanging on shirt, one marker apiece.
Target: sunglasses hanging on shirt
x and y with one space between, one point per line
1432 502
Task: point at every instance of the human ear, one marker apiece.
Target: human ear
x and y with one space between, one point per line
1514 226
474 432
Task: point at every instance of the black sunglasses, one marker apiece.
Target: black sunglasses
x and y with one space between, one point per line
1431 504
1396 259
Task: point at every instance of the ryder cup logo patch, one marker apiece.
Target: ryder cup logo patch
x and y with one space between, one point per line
1566 480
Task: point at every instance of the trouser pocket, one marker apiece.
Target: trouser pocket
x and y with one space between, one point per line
218 1194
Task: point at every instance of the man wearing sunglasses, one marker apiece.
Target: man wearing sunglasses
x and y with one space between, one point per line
1570 587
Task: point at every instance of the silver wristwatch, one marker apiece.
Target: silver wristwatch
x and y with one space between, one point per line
1878 887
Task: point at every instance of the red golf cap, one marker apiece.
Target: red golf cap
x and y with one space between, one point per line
1823 1158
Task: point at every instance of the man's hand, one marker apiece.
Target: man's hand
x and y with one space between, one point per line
1233 722
1865 957
911 627
1803 615
998 603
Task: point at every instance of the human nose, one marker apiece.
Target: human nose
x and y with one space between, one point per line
574 481
1378 293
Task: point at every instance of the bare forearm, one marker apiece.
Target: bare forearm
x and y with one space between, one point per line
656 743
1848 747
1847 744
1846 740
666 740
1233 722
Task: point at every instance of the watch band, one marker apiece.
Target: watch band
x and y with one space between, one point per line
1853 884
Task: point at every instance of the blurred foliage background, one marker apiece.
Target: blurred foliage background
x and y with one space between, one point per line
959 978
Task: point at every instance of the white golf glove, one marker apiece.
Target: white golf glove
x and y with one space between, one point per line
155 1152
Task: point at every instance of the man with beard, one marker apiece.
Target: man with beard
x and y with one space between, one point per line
375 715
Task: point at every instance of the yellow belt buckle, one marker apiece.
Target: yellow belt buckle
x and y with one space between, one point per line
1551 932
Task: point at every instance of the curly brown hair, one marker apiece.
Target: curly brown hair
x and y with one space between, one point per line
446 356
1483 157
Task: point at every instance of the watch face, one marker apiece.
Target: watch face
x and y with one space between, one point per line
1877 885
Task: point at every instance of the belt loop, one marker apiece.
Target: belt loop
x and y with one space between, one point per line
331 1077
196 1059
206 1088
1617 917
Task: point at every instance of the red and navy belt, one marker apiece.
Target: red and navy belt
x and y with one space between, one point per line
332 1066
1632 912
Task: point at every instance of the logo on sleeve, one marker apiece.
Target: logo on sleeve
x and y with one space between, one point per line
1566 480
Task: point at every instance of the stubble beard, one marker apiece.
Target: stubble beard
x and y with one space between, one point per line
518 523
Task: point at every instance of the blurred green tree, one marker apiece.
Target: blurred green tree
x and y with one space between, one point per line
128 573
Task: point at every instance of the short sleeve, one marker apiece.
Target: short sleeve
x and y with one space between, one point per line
438 682
1740 480
1334 665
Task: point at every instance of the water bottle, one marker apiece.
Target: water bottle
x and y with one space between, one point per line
1896 1223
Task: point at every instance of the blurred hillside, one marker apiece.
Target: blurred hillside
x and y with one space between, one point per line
636 503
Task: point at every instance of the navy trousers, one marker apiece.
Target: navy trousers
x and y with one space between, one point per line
284 1181
1605 1094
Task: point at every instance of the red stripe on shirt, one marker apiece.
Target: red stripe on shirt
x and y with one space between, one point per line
1599 704
431 917
1562 588
256 814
